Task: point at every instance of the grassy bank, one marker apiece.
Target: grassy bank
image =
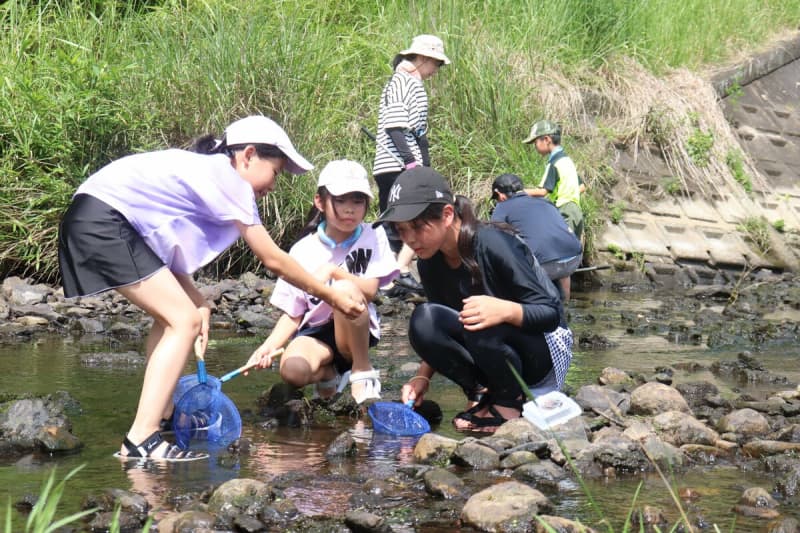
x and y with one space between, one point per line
84 82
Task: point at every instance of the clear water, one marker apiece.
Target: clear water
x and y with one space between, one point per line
108 399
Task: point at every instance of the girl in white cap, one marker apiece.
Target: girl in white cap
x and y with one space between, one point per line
354 259
402 141
143 224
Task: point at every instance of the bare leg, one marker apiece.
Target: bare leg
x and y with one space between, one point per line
305 361
177 324
352 337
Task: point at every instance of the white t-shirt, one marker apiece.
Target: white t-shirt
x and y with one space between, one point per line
183 204
369 257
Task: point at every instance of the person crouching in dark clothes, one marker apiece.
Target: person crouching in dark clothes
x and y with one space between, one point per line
489 304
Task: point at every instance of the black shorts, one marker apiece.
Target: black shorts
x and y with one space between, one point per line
326 333
98 249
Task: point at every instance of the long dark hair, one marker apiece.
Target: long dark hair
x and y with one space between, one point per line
400 57
208 144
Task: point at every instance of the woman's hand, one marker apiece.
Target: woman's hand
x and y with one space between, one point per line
481 312
415 390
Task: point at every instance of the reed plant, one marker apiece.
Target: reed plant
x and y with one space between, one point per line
83 82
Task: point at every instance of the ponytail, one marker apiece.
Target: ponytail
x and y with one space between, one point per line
208 144
466 239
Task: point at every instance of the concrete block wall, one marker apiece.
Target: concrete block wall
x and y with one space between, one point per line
764 113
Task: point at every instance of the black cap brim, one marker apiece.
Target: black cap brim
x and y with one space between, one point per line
400 213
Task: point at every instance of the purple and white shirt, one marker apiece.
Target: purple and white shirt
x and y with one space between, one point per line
183 204
369 257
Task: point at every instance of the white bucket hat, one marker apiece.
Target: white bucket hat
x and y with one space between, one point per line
428 46
258 129
344 176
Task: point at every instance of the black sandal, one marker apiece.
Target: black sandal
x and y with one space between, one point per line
483 423
151 443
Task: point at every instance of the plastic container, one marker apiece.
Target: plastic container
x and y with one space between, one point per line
551 409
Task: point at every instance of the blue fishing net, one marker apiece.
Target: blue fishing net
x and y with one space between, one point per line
395 418
204 412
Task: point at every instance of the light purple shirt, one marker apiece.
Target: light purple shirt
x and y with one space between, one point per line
183 204
369 257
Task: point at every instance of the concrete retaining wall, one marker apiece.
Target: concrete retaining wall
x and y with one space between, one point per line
760 98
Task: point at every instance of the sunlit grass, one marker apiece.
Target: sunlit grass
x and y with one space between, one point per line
84 82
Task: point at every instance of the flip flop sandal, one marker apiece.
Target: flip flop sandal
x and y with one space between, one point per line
138 452
481 423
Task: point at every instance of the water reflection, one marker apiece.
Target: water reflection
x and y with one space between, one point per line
632 324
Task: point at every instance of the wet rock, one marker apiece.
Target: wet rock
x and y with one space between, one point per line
40 310
680 428
649 518
654 398
188 522
19 292
504 507
615 377
129 502
344 445
31 423
662 453
434 449
518 458
619 453
240 496
442 483
248 524
360 521
758 503
124 522
31 321
128 359
541 474
790 433
784 525
520 431
90 325
760 448
251 319
703 454
476 455
124 330
603 399
697 393
745 422
789 484
558 524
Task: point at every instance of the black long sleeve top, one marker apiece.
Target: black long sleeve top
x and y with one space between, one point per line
509 272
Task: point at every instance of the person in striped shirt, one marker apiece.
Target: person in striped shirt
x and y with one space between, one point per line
401 141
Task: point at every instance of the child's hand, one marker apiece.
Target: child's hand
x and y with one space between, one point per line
481 312
351 308
263 356
414 390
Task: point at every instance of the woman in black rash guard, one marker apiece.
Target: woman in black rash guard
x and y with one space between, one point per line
489 304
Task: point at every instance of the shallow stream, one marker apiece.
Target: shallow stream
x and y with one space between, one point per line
108 400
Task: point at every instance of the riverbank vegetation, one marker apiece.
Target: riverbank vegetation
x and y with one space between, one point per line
85 81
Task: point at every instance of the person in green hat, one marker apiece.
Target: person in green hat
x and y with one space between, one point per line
560 183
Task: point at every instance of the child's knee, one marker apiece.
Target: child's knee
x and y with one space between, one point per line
295 371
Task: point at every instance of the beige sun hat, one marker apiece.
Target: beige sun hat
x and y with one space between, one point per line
428 46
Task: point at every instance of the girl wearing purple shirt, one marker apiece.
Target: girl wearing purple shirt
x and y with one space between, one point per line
145 223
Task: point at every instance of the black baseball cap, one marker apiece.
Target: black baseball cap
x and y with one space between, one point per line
413 191
507 184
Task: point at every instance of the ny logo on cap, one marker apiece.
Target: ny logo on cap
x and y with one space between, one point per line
394 193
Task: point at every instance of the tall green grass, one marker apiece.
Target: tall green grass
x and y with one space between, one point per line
85 81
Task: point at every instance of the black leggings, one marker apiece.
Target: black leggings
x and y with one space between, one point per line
385 182
474 359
